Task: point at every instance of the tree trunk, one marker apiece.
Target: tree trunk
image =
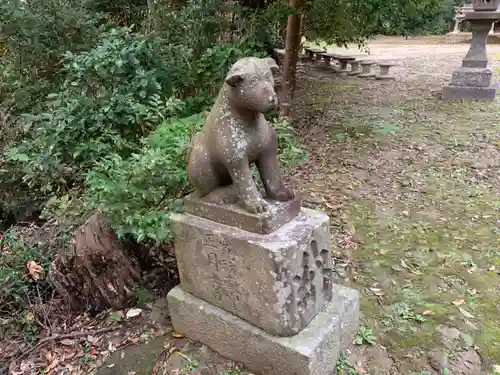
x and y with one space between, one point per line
96 272
292 43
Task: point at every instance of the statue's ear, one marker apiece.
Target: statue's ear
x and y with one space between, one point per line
234 79
269 61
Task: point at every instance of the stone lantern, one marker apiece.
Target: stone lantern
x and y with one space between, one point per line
486 5
473 79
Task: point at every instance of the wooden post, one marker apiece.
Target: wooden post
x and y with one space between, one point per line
292 43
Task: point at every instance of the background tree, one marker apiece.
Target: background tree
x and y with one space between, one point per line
342 22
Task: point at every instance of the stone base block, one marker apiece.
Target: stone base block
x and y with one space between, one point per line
277 282
223 210
451 92
313 351
472 77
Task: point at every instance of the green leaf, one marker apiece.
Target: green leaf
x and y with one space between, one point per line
467 339
116 317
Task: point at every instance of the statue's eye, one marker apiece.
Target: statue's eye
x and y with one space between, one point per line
255 79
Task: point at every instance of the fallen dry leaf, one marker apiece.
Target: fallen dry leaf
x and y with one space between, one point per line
458 302
30 316
52 366
182 355
68 342
132 313
34 270
69 355
93 340
471 325
466 313
377 291
428 312
178 335
331 206
46 356
111 347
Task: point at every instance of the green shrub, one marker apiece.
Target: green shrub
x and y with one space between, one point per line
290 151
17 288
111 97
137 193
34 36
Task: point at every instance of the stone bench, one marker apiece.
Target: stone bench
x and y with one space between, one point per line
314 53
366 69
327 57
303 58
384 71
280 54
355 68
343 60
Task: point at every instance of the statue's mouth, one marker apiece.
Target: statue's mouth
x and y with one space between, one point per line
270 108
272 105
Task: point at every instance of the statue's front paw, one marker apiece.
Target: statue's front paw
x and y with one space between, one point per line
256 206
284 194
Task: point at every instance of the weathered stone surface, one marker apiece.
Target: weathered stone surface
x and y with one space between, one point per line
354 69
313 351
451 92
278 282
231 214
327 58
477 56
366 67
485 4
384 72
438 359
473 77
236 135
343 61
313 53
483 15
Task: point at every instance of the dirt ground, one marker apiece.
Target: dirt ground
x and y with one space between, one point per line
412 186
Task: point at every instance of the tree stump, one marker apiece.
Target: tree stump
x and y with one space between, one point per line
96 271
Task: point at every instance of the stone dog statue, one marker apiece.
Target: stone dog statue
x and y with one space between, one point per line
236 134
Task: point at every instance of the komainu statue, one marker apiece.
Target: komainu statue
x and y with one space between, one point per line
236 135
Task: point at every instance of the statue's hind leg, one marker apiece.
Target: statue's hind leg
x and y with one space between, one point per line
270 172
201 171
208 181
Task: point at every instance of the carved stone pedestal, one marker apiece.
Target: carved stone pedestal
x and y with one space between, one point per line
264 300
313 351
472 80
472 84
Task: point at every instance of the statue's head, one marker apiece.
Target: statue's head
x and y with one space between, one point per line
250 84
